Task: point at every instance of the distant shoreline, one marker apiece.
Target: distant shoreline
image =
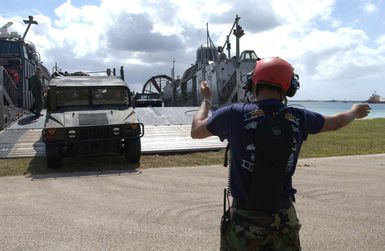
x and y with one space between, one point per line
337 101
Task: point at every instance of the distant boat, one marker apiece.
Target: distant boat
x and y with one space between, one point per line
375 98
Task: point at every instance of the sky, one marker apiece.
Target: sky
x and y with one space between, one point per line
336 46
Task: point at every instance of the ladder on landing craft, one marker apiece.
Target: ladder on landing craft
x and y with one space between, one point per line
9 112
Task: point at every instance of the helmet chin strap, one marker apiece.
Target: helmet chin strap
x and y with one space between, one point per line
284 99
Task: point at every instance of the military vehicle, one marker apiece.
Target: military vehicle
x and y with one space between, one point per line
148 100
90 115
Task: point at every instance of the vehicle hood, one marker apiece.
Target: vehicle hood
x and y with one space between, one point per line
90 118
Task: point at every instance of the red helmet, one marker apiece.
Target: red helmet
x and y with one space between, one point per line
274 71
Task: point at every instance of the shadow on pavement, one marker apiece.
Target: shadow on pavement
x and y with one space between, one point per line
75 167
28 119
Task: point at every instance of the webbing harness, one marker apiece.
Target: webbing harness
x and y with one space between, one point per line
275 143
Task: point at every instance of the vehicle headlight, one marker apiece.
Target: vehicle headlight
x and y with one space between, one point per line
51 131
134 126
116 131
71 134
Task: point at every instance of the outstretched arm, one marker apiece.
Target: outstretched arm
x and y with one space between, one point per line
342 119
198 127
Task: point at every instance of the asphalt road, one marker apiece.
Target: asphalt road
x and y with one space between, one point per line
340 204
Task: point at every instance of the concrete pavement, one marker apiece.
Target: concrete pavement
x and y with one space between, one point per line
340 203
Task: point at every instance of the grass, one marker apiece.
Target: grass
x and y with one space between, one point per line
360 137
365 136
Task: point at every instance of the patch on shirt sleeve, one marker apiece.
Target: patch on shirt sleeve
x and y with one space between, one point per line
292 118
251 125
253 114
248 165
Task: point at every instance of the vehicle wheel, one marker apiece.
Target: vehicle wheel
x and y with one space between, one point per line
53 156
132 150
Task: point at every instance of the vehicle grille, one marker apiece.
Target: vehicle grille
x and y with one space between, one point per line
93 119
95 132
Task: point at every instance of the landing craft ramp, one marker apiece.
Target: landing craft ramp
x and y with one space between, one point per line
166 130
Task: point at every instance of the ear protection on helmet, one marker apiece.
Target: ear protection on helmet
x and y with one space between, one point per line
294 85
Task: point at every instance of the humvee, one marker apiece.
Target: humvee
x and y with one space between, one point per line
90 115
147 99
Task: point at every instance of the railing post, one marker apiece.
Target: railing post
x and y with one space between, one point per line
2 122
194 92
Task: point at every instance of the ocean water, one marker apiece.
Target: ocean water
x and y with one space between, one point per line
331 108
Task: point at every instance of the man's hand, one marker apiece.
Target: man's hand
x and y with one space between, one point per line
360 110
198 127
342 119
205 90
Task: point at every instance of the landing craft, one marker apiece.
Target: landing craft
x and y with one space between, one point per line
222 71
18 60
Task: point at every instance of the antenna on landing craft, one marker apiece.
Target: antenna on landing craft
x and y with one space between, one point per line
29 22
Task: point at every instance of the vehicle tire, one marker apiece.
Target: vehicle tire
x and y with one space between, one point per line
53 156
133 150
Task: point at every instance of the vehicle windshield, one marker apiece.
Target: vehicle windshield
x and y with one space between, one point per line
109 96
72 97
95 96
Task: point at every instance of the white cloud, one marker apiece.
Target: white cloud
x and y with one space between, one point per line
301 12
370 8
146 35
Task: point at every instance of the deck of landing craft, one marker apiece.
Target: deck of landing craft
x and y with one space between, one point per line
167 129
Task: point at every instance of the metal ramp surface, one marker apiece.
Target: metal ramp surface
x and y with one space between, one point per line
166 130
166 115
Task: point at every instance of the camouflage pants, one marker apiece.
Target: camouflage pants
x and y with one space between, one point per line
250 230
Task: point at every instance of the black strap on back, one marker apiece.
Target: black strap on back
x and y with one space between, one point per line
274 144
226 161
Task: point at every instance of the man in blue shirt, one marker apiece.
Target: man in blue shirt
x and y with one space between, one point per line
257 219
